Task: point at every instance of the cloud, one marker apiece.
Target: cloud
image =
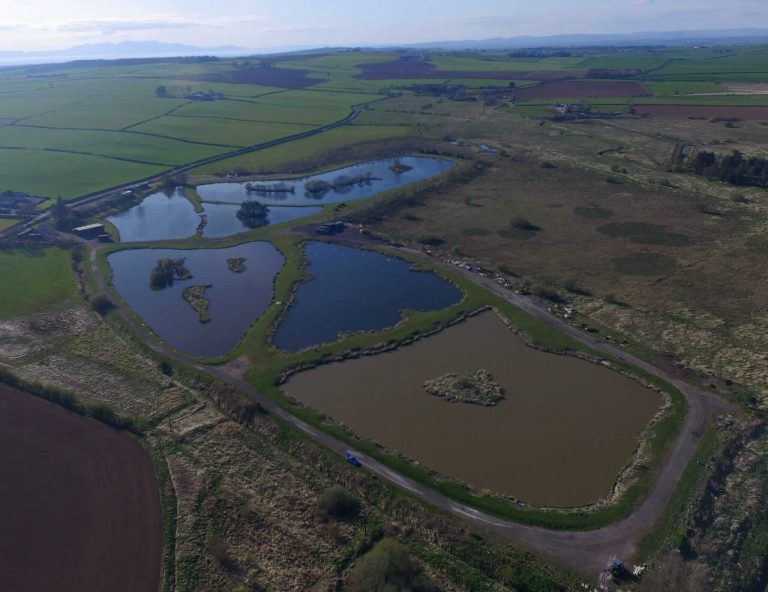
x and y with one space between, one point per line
643 2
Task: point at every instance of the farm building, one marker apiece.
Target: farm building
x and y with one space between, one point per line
15 199
330 228
89 231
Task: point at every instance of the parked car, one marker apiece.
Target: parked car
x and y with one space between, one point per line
352 459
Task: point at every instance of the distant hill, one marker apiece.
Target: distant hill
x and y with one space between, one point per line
668 38
111 51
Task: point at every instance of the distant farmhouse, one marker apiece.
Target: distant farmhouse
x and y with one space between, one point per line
203 96
17 202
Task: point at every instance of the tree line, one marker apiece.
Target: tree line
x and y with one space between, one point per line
732 168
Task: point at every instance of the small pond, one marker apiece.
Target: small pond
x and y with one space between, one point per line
168 217
383 179
560 437
355 290
236 299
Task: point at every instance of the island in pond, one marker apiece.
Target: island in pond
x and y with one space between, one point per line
236 264
196 298
478 388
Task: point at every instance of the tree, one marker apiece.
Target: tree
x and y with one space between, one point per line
253 214
161 91
337 502
388 568
101 304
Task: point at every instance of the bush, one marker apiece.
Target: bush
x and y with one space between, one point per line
101 304
388 568
337 502
573 287
547 294
430 240
523 224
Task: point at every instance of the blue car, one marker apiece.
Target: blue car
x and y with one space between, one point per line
352 459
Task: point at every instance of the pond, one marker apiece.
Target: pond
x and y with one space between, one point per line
168 217
561 436
355 290
236 299
383 179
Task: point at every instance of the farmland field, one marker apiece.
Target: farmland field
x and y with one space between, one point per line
80 503
95 128
41 278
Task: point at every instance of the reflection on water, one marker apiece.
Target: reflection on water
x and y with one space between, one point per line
169 217
382 179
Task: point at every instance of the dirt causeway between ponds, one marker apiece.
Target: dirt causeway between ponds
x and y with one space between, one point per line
79 503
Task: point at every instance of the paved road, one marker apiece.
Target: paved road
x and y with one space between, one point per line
586 551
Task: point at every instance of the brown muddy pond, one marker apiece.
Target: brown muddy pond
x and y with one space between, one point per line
560 438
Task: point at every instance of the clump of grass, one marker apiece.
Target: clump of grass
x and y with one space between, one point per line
519 228
572 285
523 224
548 294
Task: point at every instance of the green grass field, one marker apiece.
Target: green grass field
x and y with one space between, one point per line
161 151
41 278
280 158
225 133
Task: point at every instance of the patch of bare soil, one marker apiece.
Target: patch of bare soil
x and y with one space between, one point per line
263 76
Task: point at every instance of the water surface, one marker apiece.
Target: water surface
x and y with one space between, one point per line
170 217
423 168
561 437
355 290
236 299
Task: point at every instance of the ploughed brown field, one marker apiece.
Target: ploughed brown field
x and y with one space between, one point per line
79 503
406 69
587 89
704 111
279 77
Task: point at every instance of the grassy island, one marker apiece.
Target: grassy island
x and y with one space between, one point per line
478 388
195 297
398 167
236 264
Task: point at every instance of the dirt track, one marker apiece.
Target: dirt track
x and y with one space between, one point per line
588 551
79 503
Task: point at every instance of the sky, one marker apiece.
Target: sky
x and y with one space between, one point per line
265 24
